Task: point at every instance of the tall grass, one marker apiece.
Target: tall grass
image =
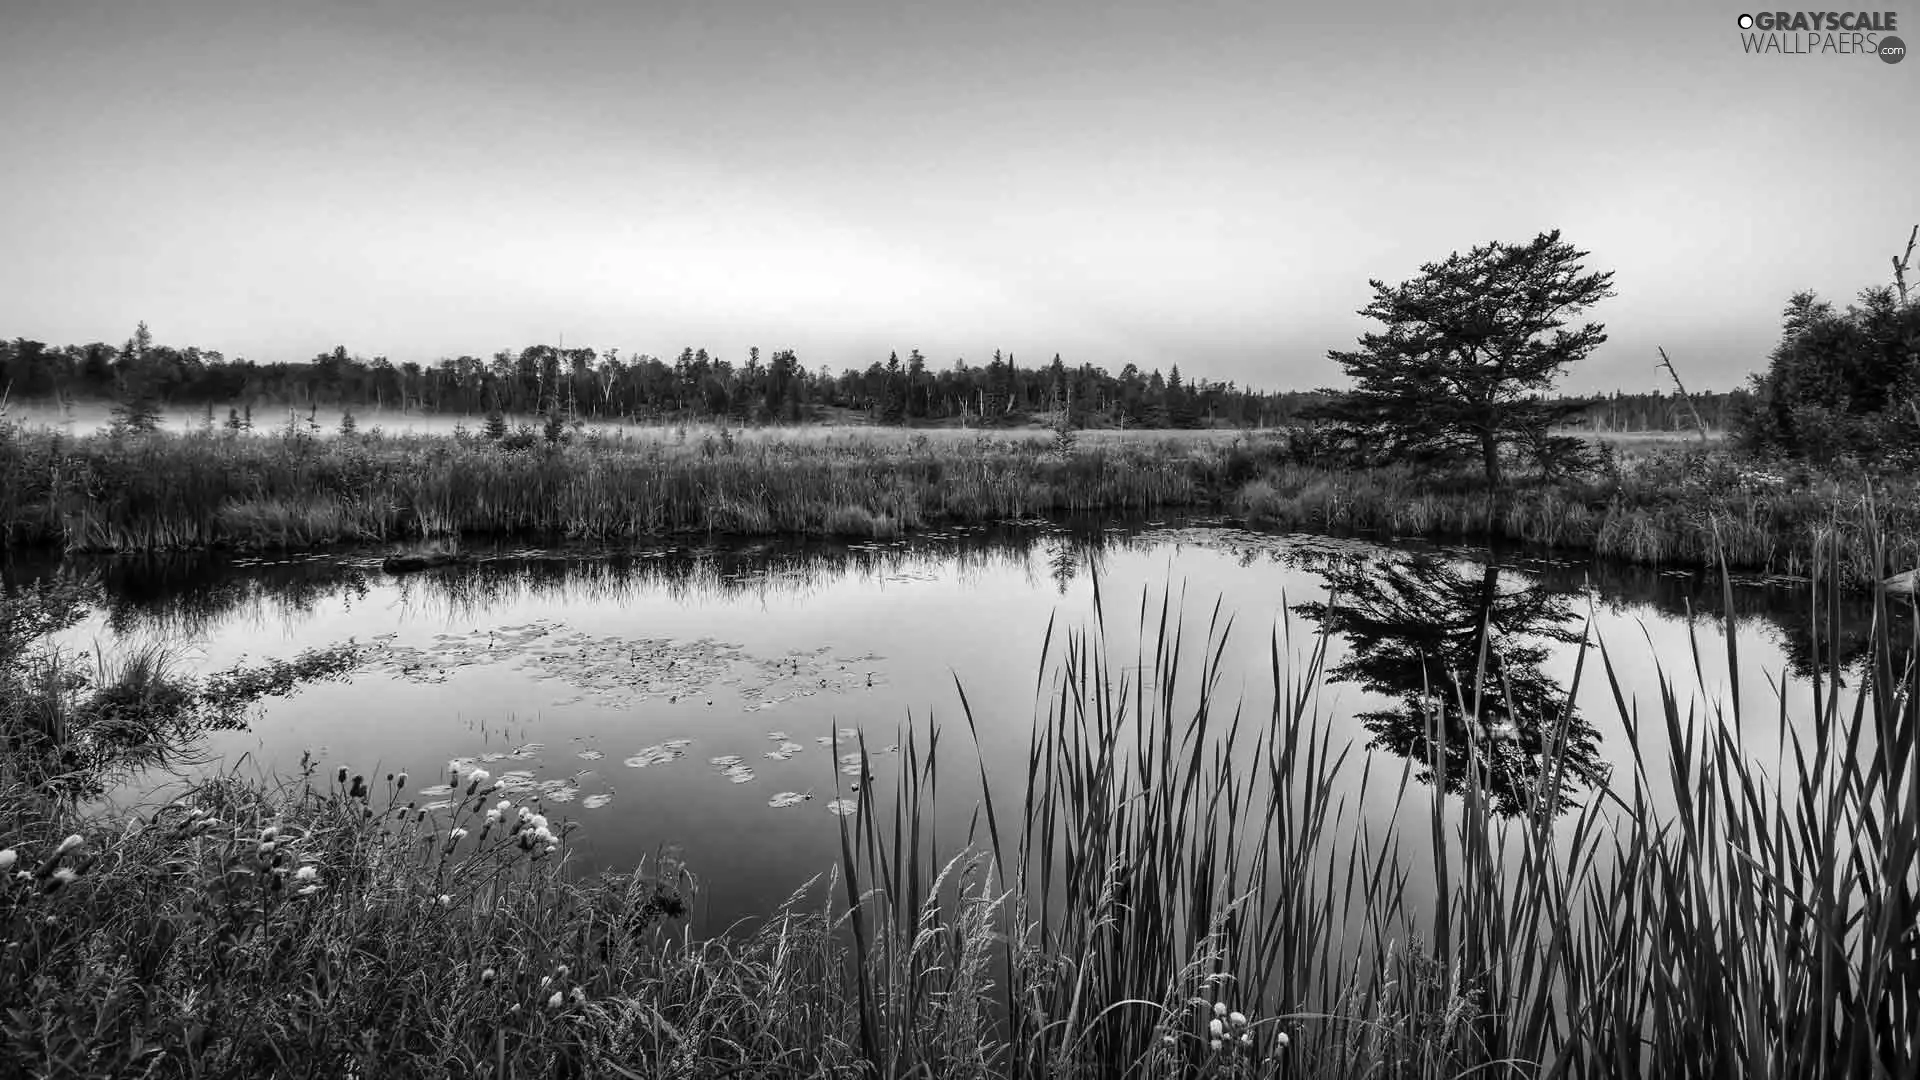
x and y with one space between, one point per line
1723 909
163 492
1685 505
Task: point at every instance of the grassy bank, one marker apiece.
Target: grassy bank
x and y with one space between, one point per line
1683 506
1658 504
1166 865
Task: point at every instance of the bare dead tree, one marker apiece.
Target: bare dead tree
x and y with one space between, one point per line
1688 398
1900 265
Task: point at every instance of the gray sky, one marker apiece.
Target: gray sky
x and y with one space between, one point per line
1204 183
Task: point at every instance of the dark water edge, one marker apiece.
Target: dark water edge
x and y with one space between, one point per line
184 591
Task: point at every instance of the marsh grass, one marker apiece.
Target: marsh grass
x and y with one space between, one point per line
1721 909
1689 504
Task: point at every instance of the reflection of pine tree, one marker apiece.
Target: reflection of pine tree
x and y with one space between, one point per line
1441 638
1063 564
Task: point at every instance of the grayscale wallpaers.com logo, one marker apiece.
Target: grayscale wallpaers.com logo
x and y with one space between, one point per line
1809 33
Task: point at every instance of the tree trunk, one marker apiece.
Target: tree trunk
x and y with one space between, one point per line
1490 453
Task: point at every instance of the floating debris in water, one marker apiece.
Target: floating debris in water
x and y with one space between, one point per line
591 755
724 760
850 759
595 802
561 795
777 736
843 807
786 799
436 790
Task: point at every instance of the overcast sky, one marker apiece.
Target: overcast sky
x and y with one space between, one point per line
1202 183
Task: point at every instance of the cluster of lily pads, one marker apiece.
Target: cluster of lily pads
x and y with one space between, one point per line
614 671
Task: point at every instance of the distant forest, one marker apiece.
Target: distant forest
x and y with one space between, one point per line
695 386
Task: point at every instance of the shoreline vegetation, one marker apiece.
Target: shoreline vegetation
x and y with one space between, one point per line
1100 923
1661 502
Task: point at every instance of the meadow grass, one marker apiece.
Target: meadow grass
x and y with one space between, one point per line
1686 504
1177 886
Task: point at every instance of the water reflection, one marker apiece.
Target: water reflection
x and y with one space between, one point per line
1415 617
1462 647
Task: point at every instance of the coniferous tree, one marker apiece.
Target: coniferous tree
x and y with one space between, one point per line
1467 353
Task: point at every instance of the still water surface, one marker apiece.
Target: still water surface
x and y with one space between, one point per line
703 694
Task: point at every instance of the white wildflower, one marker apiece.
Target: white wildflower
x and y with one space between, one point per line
7 859
1216 1027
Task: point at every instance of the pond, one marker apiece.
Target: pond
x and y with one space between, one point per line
714 696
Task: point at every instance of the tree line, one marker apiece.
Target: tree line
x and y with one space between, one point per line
590 383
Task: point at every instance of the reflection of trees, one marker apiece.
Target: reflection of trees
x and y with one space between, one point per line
1063 563
1417 628
185 595
1825 632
